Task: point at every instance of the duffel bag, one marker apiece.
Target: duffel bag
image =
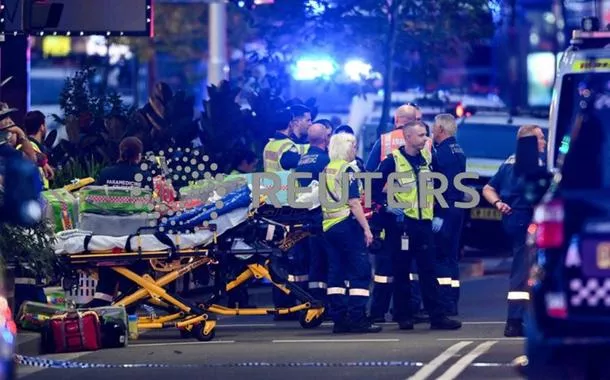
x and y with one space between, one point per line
72 332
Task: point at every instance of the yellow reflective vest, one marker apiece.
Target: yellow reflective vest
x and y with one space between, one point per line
45 181
334 185
410 183
272 154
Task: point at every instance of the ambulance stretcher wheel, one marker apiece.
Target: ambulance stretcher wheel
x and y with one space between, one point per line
316 322
198 331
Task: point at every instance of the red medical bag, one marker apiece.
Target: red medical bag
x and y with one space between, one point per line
72 332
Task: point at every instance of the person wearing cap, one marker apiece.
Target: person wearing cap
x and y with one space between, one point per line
36 128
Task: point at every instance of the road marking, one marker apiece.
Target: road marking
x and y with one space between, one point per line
429 368
23 371
334 340
504 339
181 343
459 367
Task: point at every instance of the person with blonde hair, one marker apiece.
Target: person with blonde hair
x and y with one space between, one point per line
348 235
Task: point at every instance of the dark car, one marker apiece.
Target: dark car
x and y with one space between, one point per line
568 329
488 139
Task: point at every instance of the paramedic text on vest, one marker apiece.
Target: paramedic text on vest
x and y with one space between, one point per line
505 193
314 162
348 235
394 139
449 160
299 124
36 129
413 239
281 153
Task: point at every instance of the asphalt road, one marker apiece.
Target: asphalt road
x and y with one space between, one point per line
258 348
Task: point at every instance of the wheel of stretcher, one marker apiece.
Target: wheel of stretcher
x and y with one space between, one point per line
198 331
316 322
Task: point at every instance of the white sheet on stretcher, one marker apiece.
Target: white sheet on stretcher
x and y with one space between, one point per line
73 241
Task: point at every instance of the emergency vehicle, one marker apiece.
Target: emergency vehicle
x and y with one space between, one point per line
568 329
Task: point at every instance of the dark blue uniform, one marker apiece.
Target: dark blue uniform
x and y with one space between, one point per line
506 184
315 247
123 174
449 160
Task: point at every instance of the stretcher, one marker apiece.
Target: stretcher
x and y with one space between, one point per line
264 233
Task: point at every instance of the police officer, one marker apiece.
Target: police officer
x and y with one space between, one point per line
347 129
314 163
506 195
383 278
413 237
36 129
448 160
281 153
299 124
348 235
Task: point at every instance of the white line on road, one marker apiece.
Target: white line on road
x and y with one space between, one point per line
429 368
459 367
505 339
334 340
181 343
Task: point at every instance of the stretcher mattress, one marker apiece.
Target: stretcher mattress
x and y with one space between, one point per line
73 241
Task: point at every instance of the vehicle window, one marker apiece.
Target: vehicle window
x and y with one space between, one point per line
586 144
487 141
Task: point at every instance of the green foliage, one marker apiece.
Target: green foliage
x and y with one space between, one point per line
414 35
29 250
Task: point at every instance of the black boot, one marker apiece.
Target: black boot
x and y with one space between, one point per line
445 323
365 326
406 324
513 328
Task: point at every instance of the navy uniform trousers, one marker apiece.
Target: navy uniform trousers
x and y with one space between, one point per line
447 255
348 263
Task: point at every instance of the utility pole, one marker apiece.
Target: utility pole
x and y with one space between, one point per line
218 68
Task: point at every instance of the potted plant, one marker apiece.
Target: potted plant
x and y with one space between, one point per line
28 260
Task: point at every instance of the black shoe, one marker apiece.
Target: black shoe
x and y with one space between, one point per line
378 319
513 328
421 317
340 328
365 328
406 325
445 324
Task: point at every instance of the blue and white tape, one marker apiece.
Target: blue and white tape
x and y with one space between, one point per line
33 361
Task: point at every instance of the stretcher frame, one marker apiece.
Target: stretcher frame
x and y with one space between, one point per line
187 315
191 318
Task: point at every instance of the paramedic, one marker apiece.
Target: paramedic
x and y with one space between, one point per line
127 172
412 237
299 124
449 160
314 162
383 277
348 234
281 152
36 129
347 129
505 193
123 174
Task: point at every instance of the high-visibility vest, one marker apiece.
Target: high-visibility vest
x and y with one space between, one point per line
45 181
303 148
272 154
334 176
391 141
411 184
